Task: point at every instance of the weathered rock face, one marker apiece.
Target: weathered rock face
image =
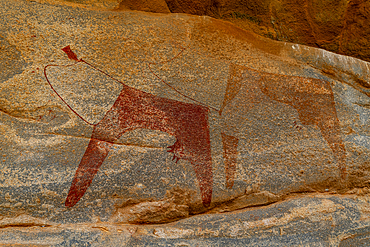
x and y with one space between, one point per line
312 221
338 26
126 117
156 6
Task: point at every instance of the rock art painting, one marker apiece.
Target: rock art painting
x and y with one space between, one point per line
135 109
313 99
130 128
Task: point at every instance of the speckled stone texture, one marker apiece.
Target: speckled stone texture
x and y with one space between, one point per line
132 128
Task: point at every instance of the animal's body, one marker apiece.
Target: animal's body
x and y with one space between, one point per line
135 109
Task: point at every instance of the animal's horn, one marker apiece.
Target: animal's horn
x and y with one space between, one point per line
70 53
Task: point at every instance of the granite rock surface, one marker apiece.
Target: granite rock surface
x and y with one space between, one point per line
337 26
110 119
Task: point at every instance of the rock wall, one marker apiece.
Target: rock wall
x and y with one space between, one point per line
337 26
112 121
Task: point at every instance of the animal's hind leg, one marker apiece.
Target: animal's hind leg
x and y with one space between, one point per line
203 171
330 129
197 150
194 144
230 148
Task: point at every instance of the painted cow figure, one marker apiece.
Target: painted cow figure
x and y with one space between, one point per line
134 109
312 98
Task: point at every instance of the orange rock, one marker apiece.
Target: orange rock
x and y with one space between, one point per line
157 6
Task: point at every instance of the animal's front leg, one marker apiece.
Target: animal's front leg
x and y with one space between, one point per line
93 158
104 134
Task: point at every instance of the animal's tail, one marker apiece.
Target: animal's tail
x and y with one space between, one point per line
94 156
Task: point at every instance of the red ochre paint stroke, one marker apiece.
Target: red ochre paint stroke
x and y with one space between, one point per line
70 53
135 109
230 148
312 98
